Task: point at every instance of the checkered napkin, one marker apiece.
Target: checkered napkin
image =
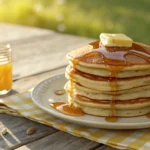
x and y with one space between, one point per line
22 105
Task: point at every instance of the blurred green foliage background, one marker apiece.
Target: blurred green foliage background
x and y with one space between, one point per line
82 17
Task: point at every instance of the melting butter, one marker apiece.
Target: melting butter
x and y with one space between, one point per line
119 40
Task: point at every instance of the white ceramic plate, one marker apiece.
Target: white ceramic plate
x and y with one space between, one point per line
44 92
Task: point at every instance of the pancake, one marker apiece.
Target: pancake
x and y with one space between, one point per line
141 92
121 110
96 60
133 72
100 83
128 104
110 81
78 86
121 113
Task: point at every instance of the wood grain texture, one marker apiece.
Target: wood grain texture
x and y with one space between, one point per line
103 147
26 83
10 33
44 53
60 141
17 127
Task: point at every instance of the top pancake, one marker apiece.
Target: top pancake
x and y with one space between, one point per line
97 60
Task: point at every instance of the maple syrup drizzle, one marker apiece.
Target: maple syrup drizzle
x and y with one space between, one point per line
115 60
70 109
71 89
113 56
75 62
148 115
67 109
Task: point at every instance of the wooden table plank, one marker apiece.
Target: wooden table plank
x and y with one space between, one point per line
17 127
104 147
42 54
60 141
10 33
30 82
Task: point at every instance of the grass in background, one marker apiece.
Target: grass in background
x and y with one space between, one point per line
82 17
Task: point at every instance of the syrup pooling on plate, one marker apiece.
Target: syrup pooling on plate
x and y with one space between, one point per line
67 109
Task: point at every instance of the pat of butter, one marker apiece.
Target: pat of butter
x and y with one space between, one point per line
119 40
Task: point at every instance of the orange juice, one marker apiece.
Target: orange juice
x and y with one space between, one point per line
5 77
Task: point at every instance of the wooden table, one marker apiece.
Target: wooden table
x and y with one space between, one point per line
37 55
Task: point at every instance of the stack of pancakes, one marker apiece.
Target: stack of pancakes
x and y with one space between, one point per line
98 87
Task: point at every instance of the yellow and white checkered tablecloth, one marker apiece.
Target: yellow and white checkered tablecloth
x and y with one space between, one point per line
22 105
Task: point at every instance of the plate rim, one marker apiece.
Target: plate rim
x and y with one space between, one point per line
106 125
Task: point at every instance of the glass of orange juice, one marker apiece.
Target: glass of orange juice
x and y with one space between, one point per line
5 69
